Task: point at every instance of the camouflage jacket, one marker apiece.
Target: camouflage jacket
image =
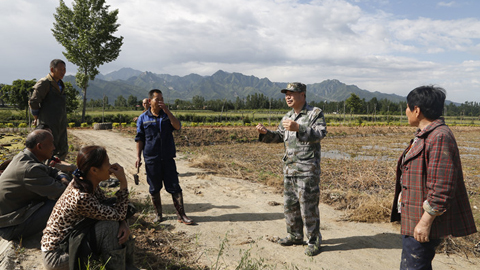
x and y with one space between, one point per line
302 148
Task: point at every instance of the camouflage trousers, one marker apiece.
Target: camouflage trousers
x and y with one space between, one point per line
301 196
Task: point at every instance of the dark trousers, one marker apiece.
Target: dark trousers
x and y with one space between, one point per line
416 255
161 173
33 225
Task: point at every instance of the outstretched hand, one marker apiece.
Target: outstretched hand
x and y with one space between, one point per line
261 129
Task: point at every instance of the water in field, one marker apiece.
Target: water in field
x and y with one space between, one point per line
335 154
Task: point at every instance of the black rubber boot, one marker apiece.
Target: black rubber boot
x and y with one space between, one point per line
157 203
178 203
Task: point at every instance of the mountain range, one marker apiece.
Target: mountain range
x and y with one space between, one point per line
220 85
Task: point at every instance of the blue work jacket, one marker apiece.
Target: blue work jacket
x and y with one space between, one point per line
156 133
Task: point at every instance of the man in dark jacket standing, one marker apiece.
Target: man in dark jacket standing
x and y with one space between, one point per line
29 188
155 139
48 106
431 200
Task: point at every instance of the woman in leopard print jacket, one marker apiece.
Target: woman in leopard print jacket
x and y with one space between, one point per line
82 200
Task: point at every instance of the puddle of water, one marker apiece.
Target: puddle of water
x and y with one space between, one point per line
335 154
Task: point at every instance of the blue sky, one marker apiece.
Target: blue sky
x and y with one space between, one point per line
378 45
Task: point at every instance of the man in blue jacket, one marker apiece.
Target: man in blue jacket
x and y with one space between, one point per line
155 139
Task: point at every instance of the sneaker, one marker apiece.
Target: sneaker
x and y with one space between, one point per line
312 250
290 241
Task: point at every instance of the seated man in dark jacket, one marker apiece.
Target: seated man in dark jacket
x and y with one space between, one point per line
29 188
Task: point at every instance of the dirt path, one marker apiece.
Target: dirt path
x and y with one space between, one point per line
248 216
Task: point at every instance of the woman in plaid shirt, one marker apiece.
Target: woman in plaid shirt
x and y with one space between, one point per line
430 196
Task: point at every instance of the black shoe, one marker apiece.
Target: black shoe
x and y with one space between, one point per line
289 241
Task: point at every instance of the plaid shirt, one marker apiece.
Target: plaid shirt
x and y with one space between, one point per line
432 171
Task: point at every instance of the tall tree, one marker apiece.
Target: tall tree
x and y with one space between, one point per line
120 102
354 103
86 31
132 101
72 97
18 94
1 100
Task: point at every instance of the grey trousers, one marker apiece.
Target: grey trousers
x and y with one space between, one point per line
106 235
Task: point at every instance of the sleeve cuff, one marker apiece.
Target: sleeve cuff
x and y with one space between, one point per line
430 210
302 129
60 176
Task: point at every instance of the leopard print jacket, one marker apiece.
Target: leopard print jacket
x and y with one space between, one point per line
74 206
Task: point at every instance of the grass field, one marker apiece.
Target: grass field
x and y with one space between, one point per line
358 167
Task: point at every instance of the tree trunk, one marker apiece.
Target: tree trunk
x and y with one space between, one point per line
84 103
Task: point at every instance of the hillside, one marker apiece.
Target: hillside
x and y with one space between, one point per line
220 85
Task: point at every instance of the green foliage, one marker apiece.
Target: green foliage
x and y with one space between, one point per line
72 97
115 125
18 94
5 115
22 125
86 32
10 125
132 101
121 102
133 124
84 124
71 124
353 103
124 124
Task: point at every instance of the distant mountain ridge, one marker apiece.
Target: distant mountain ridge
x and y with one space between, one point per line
220 85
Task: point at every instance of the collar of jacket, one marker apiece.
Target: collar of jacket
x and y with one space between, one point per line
31 155
304 110
149 113
53 82
433 125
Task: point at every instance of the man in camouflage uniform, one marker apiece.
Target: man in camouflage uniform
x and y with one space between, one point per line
300 130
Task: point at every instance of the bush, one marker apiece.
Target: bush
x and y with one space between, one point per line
133 124
124 124
22 125
84 124
115 125
10 125
71 124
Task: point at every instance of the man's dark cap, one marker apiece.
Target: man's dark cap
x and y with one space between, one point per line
295 87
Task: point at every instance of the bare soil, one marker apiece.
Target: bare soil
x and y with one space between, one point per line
239 221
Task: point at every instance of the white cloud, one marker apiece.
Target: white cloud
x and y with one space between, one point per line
284 40
446 4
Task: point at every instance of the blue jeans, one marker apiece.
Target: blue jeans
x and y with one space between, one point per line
33 225
416 255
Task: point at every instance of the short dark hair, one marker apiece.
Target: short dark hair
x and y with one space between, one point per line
55 62
430 99
36 136
153 91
